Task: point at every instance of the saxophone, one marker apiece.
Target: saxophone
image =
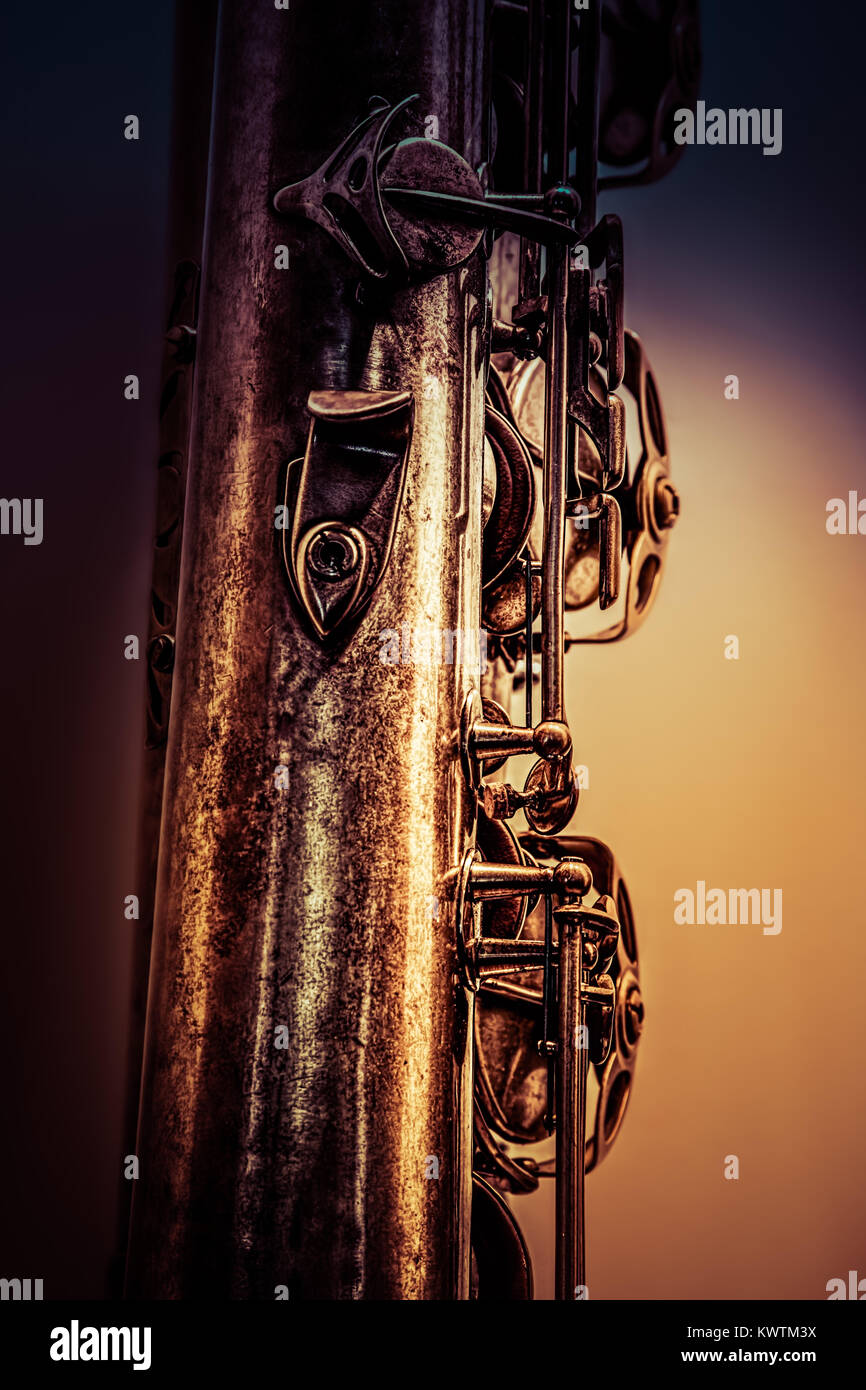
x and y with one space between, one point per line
393 458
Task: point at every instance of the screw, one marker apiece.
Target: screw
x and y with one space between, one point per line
562 200
634 1014
666 504
333 555
500 800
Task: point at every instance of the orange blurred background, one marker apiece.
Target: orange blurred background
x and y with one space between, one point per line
743 773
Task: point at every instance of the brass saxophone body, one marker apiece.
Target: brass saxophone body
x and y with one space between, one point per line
370 999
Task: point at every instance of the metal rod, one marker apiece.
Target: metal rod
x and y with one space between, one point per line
532 157
530 252
555 464
586 115
527 575
504 880
548 1007
560 91
571 1114
500 740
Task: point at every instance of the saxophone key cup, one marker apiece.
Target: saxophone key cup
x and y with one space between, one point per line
648 501
511 1067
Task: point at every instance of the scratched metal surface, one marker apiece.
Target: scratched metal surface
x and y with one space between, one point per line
311 907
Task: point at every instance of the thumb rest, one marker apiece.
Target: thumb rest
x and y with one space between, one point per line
543 976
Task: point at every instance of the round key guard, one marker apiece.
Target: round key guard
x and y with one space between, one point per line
650 502
647 496
507 529
511 1076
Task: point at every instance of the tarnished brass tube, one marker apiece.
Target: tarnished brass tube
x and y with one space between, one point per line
305 1119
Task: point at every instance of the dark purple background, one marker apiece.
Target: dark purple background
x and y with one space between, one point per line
83 233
